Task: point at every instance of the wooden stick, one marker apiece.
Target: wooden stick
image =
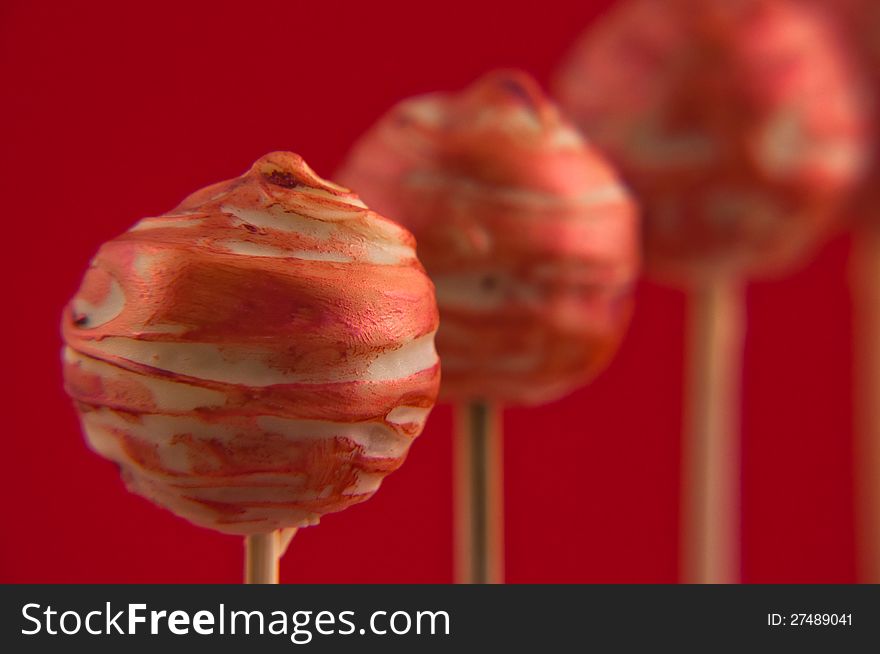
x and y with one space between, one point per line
261 558
479 495
866 301
711 450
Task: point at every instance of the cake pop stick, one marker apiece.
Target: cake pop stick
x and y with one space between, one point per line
258 357
711 467
738 125
262 554
866 299
531 242
479 494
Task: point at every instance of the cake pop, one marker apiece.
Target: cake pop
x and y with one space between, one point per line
739 125
531 241
259 356
737 122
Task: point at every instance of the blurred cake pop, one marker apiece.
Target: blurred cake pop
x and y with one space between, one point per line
739 124
527 233
258 357
532 243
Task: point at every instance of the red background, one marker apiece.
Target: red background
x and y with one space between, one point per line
116 111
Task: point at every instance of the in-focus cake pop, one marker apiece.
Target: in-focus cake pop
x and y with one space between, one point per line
532 243
258 357
526 231
737 122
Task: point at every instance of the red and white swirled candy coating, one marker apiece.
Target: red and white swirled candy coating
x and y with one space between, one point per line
738 122
526 231
858 22
259 356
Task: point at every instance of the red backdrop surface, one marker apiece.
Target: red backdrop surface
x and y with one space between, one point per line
114 111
